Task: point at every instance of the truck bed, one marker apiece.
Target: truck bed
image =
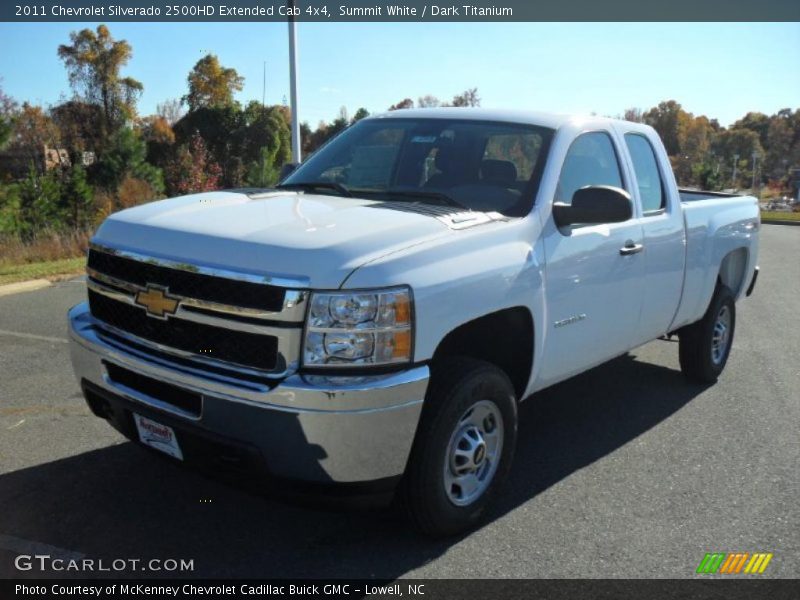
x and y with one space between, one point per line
716 223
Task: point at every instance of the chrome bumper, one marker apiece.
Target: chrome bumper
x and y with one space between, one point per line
319 429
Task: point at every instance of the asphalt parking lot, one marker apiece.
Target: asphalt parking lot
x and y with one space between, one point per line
624 471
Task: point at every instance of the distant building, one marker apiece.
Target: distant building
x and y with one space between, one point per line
56 158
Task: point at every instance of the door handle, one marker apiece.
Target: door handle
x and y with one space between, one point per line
631 248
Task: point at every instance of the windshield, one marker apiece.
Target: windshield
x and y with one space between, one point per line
476 165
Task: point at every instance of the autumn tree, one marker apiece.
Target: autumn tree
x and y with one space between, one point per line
80 125
193 169
211 85
94 60
405 103
633 114
664 119
33 130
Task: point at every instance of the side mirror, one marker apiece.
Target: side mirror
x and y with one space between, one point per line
594 204
286 170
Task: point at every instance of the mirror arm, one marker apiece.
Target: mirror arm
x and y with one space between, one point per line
561 214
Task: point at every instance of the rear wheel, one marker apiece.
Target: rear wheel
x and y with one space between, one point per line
706 345
463 448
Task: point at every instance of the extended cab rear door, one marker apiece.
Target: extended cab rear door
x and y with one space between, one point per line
662 224
593 289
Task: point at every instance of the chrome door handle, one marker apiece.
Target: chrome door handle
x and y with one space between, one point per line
631 248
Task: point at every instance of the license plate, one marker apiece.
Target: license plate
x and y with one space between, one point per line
158 436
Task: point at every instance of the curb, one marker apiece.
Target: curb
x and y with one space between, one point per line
23 286
780 222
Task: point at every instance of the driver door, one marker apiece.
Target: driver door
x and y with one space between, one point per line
594 273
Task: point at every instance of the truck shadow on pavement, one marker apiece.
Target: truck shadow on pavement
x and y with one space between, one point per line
121 502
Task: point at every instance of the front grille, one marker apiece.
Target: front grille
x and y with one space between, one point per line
240 347
188 284
185 400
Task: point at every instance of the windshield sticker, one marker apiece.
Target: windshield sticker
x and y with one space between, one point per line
423 139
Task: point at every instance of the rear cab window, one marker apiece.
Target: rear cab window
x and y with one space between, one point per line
652 192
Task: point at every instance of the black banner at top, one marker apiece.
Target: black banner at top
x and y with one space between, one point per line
423 11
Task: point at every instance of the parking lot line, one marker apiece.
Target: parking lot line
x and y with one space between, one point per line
31 336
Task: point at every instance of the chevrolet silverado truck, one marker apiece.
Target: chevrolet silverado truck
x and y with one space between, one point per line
372 323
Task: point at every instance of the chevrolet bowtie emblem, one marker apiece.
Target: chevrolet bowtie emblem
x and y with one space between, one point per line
157 301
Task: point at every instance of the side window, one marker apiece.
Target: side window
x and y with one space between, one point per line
648 177
590 160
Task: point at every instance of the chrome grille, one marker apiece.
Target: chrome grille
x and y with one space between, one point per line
238 322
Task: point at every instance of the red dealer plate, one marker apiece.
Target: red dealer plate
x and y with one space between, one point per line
158 436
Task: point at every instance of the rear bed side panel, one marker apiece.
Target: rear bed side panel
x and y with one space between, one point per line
714 229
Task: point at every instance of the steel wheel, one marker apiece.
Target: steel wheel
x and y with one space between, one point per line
720 338
473 453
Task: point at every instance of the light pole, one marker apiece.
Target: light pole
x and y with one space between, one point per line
735 164
755 158
296 153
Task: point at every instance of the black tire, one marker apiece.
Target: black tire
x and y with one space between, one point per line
699 360
456 386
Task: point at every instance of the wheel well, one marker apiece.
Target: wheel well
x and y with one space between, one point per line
503 338
732 270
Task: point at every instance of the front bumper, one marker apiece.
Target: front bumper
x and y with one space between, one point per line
309 428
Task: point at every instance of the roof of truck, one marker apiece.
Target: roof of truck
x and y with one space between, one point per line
532 117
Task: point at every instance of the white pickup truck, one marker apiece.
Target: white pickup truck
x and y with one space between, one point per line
371 324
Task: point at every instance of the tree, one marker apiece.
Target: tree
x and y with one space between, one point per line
211 85
634 115
39 202
93 62
757 122
78 198
80 125
263 172
33 130
738 145
218 127
664 119
193 169
170 110
405 103
361 113
428 101
127 157
695 135
468 97
7 110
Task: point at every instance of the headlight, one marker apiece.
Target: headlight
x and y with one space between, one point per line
358 328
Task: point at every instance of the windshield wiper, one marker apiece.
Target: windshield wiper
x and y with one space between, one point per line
315 185
430 195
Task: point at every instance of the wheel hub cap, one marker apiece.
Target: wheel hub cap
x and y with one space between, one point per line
473 453
720 337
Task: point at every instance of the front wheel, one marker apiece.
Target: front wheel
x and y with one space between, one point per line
706 345
463 448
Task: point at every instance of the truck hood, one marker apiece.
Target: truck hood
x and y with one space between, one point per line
317 240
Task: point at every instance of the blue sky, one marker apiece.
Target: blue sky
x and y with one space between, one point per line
722 70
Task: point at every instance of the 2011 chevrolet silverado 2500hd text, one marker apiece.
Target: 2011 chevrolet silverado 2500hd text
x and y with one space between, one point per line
374 320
